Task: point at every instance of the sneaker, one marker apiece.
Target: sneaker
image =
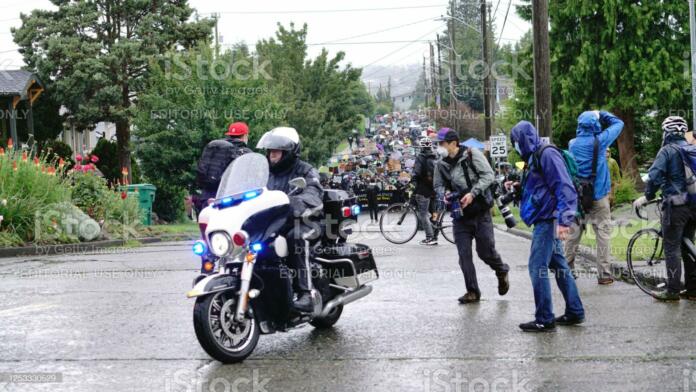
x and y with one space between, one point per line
665 296
569 320
470 298
688 295
429 241
605 281
534 326
503 283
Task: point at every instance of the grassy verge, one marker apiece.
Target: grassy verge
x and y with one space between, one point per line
620 235
188 228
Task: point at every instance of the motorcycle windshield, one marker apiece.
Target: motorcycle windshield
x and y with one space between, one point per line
249 171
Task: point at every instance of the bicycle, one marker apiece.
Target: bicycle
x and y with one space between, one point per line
645 254
399 222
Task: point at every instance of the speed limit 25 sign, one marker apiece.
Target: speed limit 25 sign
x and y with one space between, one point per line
499 146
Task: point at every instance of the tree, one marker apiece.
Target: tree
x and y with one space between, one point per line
94 54
186 105
622 55
324 100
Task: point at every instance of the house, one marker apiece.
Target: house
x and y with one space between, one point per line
19 90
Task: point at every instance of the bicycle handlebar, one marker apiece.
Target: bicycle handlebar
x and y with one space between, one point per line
639 210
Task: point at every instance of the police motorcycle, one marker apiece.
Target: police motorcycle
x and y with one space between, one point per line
251 292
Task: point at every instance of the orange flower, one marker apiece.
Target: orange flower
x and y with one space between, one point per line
124 171
10 145
24 156
36 161
2 151
61 163
51 171
14 165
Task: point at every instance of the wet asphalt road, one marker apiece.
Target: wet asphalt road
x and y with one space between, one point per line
121 322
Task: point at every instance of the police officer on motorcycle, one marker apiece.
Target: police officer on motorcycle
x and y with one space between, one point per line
282 146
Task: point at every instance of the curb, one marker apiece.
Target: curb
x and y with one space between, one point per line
83 247
588 260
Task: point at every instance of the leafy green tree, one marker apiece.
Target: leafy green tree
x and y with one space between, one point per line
190 100
324 100
94 54
626 56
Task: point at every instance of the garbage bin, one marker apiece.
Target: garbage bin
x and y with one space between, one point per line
145 193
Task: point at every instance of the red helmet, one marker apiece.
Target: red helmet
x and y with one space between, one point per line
237 129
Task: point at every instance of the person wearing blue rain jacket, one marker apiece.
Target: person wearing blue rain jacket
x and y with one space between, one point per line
582 148
549 203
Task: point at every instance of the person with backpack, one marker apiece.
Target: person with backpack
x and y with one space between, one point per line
672 173
217 156
423 172
463 178
589 148
549 205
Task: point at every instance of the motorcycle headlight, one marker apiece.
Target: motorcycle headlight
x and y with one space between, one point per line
220 244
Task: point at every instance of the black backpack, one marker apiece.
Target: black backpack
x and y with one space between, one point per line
217 155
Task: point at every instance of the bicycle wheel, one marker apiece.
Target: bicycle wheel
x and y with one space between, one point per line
446 226
646 261
398 223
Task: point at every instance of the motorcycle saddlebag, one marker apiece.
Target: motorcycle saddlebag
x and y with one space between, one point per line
350 265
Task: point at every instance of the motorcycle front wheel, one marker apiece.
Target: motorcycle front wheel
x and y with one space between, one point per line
219 334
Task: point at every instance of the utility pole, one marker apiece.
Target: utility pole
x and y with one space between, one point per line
217 43
425 83
439 75
452 73
692 24
433 82
487 90
542 67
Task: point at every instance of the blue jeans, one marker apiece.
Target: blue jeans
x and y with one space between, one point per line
547 255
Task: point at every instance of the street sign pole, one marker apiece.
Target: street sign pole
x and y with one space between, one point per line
692 28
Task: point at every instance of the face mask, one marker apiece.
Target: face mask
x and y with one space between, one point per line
518 149
442 152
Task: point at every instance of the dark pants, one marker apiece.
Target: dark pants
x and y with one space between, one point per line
479 228
679 223
296 259
373 207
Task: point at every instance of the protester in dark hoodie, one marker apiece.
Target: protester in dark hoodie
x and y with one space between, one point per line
423 172
599 216
679 215
549 203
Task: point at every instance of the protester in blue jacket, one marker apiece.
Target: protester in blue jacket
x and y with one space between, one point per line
599 215
549 203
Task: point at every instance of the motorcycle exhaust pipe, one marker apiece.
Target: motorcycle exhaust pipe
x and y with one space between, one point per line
346 298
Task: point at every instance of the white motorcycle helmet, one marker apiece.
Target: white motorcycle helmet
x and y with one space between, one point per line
285 139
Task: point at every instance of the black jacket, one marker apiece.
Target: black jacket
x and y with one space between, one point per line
309 198
422 175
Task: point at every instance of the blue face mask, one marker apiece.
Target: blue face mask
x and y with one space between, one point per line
518 149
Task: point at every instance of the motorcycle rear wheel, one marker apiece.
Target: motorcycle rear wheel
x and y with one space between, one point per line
218 333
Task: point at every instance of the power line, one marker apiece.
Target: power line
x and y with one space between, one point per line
504 22
403 47
367 42
325 11
379 31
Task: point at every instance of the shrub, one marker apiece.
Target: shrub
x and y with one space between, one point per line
625 191
55 149
169 201
29 185
109 163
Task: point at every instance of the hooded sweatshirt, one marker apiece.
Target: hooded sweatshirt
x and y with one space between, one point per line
548 192
589 126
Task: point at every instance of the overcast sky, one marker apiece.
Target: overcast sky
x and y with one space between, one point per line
255 20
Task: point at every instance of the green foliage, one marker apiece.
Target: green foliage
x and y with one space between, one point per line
93 55
169 201
109 163
27 191
56 149
625 191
